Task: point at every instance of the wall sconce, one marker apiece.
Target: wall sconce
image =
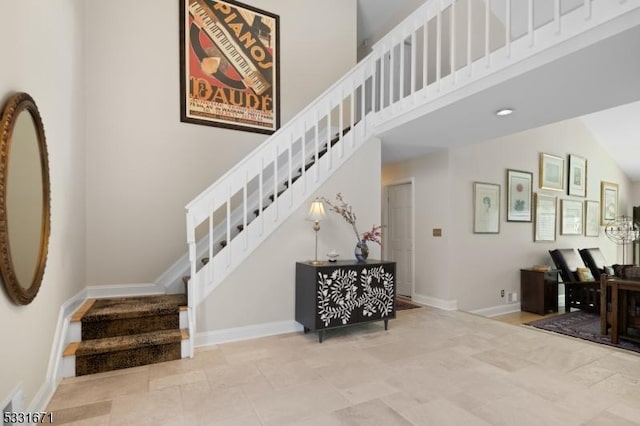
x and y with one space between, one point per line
316 214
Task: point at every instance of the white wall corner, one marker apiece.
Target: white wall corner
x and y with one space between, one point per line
447 305
494 311
245 333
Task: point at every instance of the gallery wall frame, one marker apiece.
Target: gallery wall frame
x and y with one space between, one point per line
571 213
545 211
591 218
608 202
519 196
551 172
229 65
577 176
486 208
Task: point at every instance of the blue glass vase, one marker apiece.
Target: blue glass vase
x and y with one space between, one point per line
361 251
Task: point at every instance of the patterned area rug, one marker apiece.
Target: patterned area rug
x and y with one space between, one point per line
583 325
401 305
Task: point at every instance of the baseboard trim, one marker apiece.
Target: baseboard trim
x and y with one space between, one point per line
123 290
55 366
497 310
228 335
447 305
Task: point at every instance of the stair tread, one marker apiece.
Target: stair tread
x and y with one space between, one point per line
132 307
134 341
79 313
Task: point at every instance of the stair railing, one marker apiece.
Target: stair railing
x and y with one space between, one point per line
441 47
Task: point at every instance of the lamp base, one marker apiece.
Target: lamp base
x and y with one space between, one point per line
316 262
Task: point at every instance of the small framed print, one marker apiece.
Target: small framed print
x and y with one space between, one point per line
545 218
519 192
608 202
577 182
571 223
592 219
551 172
486 208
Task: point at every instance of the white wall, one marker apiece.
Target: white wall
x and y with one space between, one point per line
432 207
41 45
476 267
264 286
143 165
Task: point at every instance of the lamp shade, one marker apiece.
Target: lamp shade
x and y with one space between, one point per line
316 211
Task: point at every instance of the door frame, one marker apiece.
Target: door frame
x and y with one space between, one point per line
385 215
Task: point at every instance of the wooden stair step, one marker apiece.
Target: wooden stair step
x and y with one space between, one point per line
132 341
132 307
114 353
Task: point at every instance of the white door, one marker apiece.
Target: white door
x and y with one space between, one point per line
400 241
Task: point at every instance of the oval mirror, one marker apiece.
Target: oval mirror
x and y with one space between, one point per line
24 198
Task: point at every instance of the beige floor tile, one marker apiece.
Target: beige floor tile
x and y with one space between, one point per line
228 376
368 391
608 419
287 406
154 407
93 421
101 388
204 407
370 413
70 415
177 379
626 411
440 412
430 367
290 374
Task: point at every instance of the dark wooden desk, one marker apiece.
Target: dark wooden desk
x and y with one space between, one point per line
618 317
344 293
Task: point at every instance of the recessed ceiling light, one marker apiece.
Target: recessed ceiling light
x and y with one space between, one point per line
504 112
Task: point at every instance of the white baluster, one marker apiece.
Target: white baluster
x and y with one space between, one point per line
228 225
425 55
487 32
507 29
439 44
587 10
452 50
275 183
530 23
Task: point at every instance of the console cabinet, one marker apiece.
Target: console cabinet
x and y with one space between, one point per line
332 295
539 291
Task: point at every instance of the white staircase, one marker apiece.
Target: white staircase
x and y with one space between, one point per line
445 49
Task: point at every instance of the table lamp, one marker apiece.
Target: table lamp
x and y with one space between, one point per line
316 214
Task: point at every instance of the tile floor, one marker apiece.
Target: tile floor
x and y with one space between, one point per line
431 367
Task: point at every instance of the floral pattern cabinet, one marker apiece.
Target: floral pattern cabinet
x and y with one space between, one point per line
344 293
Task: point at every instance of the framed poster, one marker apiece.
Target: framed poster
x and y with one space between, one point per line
519 190
592 219
551 172
608 202
577 183
229 66
545 218
571 211
486 208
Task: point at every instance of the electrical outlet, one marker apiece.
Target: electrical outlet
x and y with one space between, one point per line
512 297
502 293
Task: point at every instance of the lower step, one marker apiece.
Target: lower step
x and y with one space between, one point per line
114 353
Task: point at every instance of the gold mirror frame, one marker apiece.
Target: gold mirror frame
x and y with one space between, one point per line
17 104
